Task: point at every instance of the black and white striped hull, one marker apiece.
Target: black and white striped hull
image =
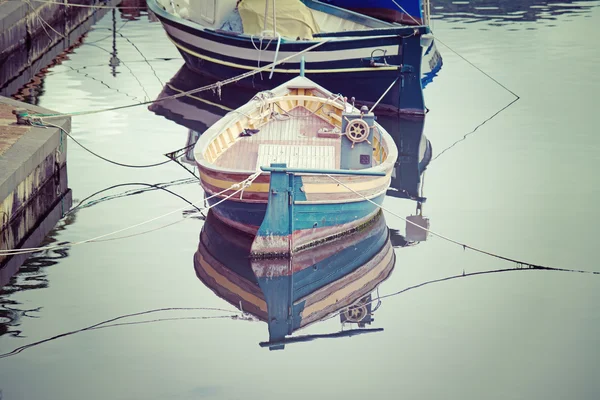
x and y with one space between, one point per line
353 65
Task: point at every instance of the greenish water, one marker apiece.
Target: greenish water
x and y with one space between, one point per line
523 185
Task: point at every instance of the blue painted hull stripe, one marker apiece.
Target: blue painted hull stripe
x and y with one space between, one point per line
305 215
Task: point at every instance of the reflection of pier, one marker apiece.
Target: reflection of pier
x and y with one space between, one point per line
37 34
319 281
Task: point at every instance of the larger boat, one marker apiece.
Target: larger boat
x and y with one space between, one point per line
377 60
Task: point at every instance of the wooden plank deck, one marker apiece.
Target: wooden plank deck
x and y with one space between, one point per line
322 157
298 131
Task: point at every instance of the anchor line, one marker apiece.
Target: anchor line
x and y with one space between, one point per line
463 245
478 69
140 233
109 323
476 128
458 54
215 86
240 186
449 278
384 93
169 155
149 185
517 97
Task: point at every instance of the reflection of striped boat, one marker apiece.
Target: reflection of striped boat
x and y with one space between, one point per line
306 135
355 50
312 285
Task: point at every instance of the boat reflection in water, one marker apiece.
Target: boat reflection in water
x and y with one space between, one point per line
316 283
414 155
292 293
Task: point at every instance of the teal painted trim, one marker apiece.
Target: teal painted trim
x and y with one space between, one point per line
323 171
278 217
302 63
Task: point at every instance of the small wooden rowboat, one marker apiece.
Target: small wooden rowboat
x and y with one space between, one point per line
323 167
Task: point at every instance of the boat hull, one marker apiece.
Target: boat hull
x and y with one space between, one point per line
312 222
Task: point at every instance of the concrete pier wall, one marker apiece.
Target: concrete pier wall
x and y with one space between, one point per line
34 191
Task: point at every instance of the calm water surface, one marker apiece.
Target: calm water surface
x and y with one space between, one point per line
522 185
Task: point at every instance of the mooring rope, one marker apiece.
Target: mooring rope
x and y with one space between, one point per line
132 192
463 245
44 124
234 314
214 86
240 186
384 93
150 187
516 96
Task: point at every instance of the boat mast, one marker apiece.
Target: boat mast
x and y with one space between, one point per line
267 16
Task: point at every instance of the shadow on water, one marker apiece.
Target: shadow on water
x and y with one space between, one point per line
507 12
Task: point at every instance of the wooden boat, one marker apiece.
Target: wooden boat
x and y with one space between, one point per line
323 167
197 112
292 293
223 40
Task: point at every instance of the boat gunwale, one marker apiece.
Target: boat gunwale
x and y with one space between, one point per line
231 118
